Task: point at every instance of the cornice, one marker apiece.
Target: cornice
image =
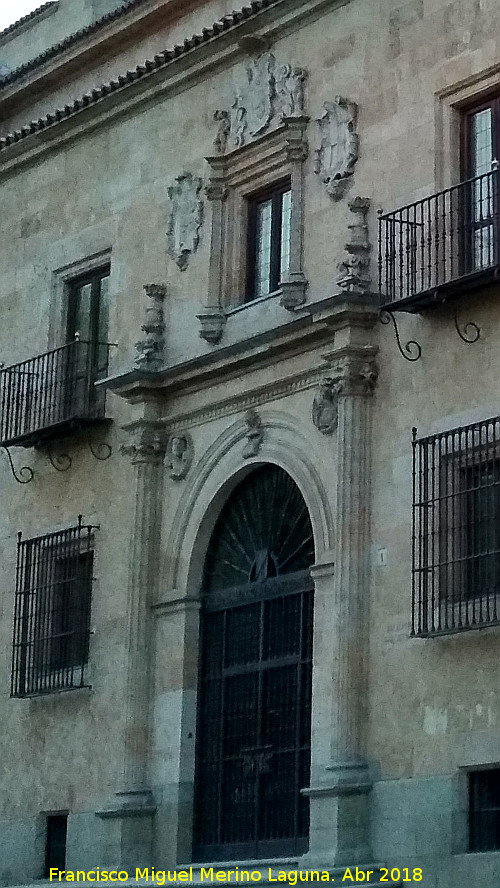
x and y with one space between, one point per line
33 17
312 327
167 71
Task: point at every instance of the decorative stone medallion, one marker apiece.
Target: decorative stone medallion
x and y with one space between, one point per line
186 218
325 410
336 157
180 454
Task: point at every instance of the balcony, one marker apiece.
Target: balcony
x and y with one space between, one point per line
441 246
53 395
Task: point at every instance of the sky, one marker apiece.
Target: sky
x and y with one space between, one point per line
12 10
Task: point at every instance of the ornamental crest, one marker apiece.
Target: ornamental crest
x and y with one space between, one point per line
270 93
325 411
186 218
336 157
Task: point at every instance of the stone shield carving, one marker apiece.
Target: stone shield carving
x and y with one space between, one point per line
269 93
336 157
186 218
325 410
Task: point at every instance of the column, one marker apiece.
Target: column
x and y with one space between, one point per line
341 780
134 807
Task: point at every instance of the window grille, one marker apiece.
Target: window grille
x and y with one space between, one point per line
484 810
52 611
456 530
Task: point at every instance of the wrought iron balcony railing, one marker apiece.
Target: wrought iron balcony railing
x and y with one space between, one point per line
440 246
53 394
456 530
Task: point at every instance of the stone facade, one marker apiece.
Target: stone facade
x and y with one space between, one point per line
358 105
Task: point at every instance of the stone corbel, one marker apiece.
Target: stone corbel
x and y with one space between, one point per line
212 317
293 287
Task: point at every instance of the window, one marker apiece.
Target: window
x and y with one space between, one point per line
88 317
52 611
484 810
456 529
269 241
55 843
481 149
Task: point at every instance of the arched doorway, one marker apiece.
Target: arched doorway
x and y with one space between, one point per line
254 717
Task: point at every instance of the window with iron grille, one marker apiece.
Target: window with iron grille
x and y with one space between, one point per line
456 530
52 611
484 810
269 240
55 843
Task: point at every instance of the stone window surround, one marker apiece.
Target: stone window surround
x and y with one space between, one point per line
235 177
61 278
448 119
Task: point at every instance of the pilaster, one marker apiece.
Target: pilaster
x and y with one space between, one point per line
134 806
293 287
340 775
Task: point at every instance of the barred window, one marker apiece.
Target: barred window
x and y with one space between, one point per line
484 810
456 529
52 611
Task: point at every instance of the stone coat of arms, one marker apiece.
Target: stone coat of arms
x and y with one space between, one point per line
336 157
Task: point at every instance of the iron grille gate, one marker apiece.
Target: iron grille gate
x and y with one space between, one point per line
253 752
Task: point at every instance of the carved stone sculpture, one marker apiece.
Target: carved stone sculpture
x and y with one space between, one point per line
336 157
255 434
325 410
186 218
269 94
354 271
180 454
223 118
150 349
289 87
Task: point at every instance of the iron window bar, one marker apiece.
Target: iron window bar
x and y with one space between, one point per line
52 611
53 394
456 530
441 246
484 810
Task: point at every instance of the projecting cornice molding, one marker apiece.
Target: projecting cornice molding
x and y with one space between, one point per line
314 326
186 63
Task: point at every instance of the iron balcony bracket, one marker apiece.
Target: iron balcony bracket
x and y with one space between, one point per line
61 463
411 350
469 332
100 450
24 475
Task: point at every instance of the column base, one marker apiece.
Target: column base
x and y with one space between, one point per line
132 842
339 819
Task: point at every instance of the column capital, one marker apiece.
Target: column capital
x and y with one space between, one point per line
147 442
353 372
